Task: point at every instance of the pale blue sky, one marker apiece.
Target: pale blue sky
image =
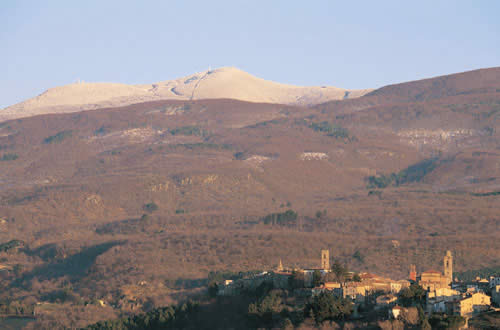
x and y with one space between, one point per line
350 44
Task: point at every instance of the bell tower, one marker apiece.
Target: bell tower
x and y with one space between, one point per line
413 273
280 267
448 267
325 259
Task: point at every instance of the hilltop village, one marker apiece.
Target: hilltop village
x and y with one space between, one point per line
438 292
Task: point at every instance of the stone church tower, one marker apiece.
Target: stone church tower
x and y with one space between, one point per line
325 259
280 267
413 273
448 267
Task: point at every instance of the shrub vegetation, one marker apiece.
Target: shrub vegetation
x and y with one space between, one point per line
332 130
59 137
414 173
7 157
285 218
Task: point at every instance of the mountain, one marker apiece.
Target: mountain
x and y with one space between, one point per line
475 82
137 204
471 82
455 117
228 82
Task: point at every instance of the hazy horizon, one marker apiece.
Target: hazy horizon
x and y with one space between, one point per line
334 44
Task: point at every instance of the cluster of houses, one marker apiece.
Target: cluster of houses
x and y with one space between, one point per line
443 294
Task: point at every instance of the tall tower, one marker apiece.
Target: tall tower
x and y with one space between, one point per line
448 267
280 267
325 259
413 273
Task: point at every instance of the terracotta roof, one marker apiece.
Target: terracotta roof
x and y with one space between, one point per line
431 271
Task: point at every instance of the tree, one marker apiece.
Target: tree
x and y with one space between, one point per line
264 309
339 272
213 287
18 270
358 256
356 278
150 207
285 218
286 324
412 296
320 214
326 306
425 325
443 321
296 280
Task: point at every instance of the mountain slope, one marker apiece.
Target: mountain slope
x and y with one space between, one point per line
136 204
228 83
470 82
476 82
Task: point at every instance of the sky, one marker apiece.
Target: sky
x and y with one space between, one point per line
348 44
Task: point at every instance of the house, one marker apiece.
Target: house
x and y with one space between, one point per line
396 286
332 287
357 291
495 294
437 299
494 281
470 288
386 301
439 306
309 274
470 304
442 293
236 287
377 283
395 312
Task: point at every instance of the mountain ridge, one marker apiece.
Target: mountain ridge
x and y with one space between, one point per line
226 82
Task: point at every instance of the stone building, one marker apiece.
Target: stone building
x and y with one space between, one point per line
494 281
379 283
357 291
323 270
325 260
250 283
437 299
332 287
470 304
309 275
385 301
432 280
370 283
413 273
395 312
448 267
495 294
